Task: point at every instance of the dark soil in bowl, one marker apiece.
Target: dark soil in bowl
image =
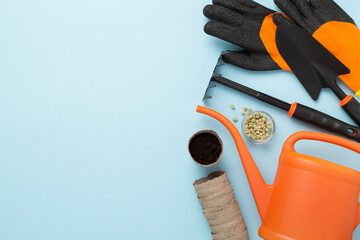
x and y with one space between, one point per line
205 148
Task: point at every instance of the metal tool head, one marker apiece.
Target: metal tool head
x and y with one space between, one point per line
220 62
311 62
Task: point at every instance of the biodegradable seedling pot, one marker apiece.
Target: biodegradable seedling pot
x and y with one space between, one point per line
205 148
302 182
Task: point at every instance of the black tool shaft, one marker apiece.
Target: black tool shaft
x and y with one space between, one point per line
253 93
300 112
313 65
352 107
327 122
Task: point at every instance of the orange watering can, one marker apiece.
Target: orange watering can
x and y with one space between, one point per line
310 199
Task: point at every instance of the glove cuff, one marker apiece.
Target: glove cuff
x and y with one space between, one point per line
267 34
342 39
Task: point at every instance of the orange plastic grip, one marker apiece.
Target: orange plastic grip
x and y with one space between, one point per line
292 109
290 142
345 100
261 190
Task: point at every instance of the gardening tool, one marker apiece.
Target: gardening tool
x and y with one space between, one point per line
252 27
271 41
314 66
333 28
295 110
310 198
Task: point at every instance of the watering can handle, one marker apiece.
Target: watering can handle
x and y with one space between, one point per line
290 142
323 137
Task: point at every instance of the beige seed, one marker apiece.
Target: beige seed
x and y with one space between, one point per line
257 126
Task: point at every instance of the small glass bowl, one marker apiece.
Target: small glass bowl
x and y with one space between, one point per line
272 124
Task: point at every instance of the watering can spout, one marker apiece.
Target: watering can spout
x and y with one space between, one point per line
261 191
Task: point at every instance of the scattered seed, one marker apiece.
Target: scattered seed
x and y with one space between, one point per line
242 112
235 119
232 107
250 110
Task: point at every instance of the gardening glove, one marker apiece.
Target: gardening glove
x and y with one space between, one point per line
333 28
250 26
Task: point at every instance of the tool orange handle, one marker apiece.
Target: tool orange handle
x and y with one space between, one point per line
290 142
352 107
261 191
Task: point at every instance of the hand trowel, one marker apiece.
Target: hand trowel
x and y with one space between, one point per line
314 66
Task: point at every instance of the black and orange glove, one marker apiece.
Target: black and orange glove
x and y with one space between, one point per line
250 26
333 28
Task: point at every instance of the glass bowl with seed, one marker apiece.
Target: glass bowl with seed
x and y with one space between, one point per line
258 127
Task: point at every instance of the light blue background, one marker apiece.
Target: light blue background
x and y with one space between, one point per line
97 102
